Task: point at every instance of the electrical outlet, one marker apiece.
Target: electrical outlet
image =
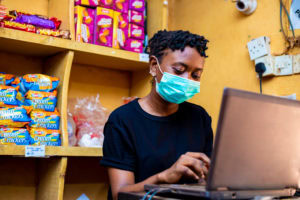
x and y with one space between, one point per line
269 64
283 65
296 64
259 47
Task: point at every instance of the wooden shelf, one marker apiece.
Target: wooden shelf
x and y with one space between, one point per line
25 43
13 150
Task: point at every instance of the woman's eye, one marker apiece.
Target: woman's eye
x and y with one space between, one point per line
178 71
196 76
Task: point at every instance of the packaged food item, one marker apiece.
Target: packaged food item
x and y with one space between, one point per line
19 26
17 137
6 79
104 27
41 100
40 82
137 5
134 45
106 3
54 33
8 95
18 83
136 32
36 20
136 17
85 24
120 35
14 116
41 136
91 3
44 119
2 11
121 6
14 133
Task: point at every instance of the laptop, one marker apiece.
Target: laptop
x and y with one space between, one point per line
256 150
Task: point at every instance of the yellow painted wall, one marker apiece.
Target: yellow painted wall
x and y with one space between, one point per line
229 31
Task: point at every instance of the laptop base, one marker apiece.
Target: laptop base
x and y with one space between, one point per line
200 191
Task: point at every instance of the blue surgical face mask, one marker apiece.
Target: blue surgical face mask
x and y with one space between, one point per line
176 89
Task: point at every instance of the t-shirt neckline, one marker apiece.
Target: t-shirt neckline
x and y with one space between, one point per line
153 117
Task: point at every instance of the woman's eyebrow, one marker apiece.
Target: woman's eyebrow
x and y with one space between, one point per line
182 64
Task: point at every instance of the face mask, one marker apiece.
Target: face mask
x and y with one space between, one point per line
176 89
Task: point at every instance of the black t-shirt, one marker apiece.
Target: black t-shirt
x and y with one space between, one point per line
146 145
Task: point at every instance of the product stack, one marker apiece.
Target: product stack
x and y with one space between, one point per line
112 23
32 23
28 114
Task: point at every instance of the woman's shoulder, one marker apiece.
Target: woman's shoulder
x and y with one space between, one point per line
123 112
194 108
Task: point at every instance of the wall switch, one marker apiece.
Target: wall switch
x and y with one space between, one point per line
283 65
269 64
296 64
259 47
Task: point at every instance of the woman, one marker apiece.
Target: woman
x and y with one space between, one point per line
161 138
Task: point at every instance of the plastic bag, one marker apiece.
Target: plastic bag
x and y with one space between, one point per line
90 117
71 130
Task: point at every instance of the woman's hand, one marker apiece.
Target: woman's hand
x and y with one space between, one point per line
191 164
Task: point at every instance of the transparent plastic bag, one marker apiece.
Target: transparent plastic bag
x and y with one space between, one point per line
90 117
71 130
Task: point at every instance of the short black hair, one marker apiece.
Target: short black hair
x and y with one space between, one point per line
175 40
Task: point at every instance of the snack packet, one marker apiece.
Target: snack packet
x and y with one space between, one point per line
137 5
85 24
121 6
6 79
104 27
120 34
106 3
91 3
40 82
43 119
41 100
8 95
20 84
14 116
40 136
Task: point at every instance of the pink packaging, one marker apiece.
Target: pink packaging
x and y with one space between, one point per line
106 3
104 27
92 3
136 32
137 5
120 35
136 17
121 6
84 24
134 45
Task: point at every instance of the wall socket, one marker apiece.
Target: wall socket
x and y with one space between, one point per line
283 65
259 47
296 64
269 64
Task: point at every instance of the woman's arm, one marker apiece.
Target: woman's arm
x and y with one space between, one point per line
193 165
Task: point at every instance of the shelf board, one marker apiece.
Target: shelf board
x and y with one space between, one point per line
25 43
14 150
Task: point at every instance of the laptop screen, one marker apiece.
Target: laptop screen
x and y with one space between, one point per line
257 143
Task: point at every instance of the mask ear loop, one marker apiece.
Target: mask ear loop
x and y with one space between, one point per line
158 66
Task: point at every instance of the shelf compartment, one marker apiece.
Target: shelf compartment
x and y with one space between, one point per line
31 44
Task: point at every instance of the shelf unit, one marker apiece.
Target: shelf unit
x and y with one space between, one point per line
84 70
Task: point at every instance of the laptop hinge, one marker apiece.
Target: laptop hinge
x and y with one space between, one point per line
222 189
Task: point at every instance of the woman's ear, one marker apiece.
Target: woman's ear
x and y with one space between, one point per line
153 66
